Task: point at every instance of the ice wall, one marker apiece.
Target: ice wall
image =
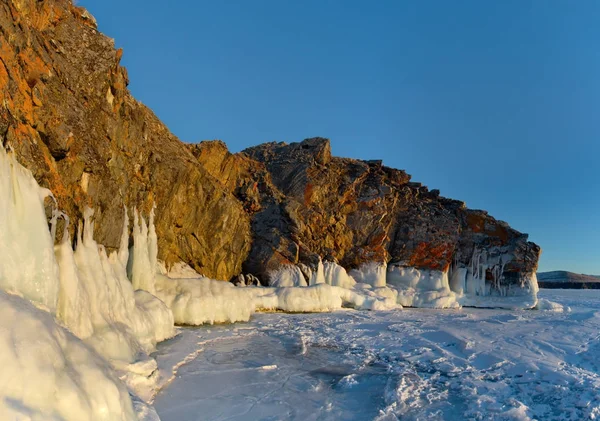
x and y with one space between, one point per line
287 276
372 273
336 275
28 265
119 307
85 291
483 282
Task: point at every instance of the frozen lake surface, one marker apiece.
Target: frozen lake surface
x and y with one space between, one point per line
411 364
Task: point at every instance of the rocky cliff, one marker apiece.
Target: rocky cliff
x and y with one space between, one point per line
68 115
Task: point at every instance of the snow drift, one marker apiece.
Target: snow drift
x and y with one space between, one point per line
48 373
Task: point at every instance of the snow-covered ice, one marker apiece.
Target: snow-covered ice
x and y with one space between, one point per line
479 364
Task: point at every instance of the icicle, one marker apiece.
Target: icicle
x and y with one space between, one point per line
140 268
318 276
152 242
123 252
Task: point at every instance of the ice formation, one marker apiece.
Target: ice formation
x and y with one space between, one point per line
483 283
118 306
202 300
50 373
336 275
421 287
287 276
28 264
371 273
318 276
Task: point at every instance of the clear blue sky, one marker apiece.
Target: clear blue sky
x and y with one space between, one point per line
496 103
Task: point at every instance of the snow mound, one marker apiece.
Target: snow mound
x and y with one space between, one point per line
48 373
547 305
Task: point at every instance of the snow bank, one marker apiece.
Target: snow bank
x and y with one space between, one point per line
547 305
48 373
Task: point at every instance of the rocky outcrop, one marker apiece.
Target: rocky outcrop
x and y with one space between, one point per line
68 115
356 211
307 204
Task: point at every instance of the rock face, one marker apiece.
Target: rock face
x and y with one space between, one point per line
69 117
304 203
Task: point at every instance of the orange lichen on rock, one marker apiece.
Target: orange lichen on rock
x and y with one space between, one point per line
308 192
437 257
481 224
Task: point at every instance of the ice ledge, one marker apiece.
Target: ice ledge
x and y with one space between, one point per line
415 287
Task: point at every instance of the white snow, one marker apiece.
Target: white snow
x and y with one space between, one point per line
49 374
479 364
